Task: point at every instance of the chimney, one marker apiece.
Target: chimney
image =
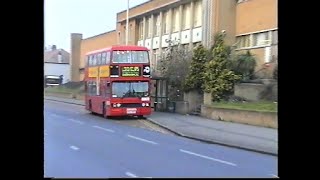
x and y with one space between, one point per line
54 47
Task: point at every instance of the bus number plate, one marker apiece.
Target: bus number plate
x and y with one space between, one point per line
131 110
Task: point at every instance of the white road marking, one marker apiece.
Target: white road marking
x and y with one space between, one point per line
98 127
74 148
207 157
130 174
274 175
141 139
76 121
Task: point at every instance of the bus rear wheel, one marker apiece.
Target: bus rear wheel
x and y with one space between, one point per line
104 110
90 107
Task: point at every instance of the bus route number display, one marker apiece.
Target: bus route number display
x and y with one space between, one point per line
130 71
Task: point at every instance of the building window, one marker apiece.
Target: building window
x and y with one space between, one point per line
243 41
119 37
185 48
130 33
275 37
166 22
140 29
125 35
176 20
148 28
265 38
240 1
157 25
197 14
186 17
261 39
157 59
267 54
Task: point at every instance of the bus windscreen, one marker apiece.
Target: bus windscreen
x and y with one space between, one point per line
130 89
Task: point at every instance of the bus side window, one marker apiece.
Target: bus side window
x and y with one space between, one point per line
91 60
99 59
94 60
94 88
108 58
103 58
89 88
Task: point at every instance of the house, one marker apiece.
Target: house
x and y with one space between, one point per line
57 64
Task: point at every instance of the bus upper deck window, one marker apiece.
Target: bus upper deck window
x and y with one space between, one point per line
103 58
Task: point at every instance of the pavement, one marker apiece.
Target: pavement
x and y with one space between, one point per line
78 144
238 135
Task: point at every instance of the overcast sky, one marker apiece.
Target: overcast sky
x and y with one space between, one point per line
89 17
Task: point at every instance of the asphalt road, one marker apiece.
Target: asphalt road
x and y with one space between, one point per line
81 145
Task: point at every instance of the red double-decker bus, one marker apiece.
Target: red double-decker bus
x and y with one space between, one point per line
118 81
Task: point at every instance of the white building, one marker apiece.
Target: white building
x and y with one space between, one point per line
57 63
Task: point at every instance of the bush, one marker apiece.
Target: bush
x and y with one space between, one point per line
244 65
174 66
195 77
218 79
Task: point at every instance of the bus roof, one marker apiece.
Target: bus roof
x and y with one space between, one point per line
120 48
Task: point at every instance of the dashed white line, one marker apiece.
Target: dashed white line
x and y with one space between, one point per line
74 148
274 175
141 139
130 174
76 121
207 157
98 127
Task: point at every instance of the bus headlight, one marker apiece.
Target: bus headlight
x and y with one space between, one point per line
118 105
143 104
114 105
147 104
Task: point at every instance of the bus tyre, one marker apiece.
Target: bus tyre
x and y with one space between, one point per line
140 116
90 107
104 110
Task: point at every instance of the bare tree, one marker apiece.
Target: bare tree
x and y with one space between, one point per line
174 65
